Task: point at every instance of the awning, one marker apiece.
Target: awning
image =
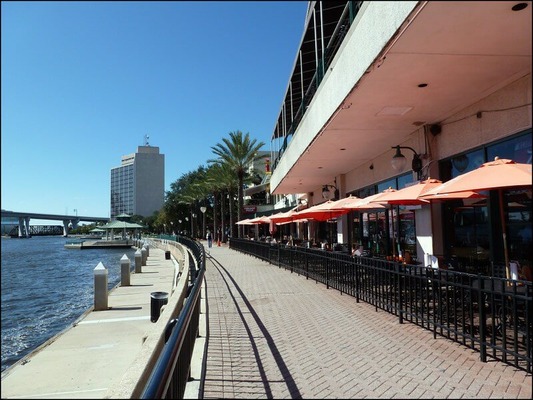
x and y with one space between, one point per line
257 189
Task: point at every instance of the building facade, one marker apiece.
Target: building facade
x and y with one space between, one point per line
449 82
138 184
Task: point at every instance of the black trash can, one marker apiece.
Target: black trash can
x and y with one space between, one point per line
157 300
167 255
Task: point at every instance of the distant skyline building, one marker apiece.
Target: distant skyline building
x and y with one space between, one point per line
138 184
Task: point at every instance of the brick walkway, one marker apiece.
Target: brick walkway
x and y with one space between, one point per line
273 334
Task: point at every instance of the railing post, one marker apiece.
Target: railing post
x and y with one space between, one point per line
291 259
357 286
306 252
400 289
482 321
327 272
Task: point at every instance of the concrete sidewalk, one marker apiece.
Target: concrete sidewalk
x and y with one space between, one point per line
92 356
273 334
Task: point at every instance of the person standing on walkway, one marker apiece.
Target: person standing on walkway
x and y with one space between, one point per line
209 239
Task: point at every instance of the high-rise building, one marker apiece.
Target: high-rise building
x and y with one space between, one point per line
138 184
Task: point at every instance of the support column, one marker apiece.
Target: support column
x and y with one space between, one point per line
21 226
65 227
27 222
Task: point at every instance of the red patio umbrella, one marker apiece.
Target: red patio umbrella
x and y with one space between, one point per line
259 220
245 222
499 175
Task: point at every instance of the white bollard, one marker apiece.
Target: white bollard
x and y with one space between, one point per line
124 271
100 287
143 252
147 250
138 261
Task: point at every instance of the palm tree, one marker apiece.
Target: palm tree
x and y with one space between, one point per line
219 180
237 153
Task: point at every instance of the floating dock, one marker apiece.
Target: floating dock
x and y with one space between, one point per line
81 244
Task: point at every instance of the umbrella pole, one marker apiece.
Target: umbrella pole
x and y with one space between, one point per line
393 231
504 235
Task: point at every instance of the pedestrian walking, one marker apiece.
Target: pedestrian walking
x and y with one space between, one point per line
209 239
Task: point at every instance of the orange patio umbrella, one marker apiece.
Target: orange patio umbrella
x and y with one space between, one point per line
467 194
499 175
373 201
283 217
355 203
410 195
321 212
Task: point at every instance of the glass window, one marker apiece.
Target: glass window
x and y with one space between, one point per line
517 149
404 180
519 229
460 164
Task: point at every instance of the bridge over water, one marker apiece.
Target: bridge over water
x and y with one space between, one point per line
23 219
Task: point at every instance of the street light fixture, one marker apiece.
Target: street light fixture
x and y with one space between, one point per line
326 194
399 161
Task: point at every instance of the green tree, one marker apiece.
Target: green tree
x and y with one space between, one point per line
237 153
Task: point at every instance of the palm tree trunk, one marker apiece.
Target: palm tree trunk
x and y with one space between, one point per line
215 225
240 205
230 205
222 216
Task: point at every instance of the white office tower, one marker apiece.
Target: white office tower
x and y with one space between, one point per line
138 185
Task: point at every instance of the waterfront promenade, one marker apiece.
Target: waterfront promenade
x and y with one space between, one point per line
91 358
274 334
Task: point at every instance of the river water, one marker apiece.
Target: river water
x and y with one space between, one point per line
46 288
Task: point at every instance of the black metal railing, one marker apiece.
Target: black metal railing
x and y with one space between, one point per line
493 316
172 369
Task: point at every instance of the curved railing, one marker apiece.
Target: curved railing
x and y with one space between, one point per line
493 316
172 369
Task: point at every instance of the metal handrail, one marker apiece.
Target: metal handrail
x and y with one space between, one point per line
171 371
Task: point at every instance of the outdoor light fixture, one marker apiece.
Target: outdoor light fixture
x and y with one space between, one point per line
326 194
399 161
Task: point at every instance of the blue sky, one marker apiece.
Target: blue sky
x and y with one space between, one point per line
84 82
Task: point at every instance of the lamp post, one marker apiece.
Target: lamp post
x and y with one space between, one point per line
179 226
203 209
187 219
193 216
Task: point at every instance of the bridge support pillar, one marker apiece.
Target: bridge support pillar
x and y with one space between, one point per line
21 226
24 227
74 223
65 227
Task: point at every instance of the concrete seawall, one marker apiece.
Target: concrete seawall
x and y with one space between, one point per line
104 352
